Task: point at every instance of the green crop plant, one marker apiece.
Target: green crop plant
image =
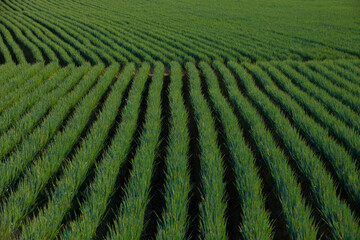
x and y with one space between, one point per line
129 222
20 78
255 223
345 97
321 182
18 109
75 172
344 133
340 110
30 85
335 79
296 214
213 203
102 188
174 220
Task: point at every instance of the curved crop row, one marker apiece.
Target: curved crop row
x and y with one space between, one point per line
130 216
6 36
297 215
19 203
343 72
339 93
19 109
344 133
32 52
101 189
61 104
5 55
74 172
336 213
21 77
73 175
29 86
255 224
126 34
281 145
335 79
345 113
338 157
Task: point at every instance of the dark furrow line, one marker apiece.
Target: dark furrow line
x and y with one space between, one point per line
331 111
194 166
44 56
340 191
15 183
60 37
118 118
13 56
234 208
10 6
331 132
272 202
124 173
157 203
79 198
355 54
323 229
58 56
2 58
83 189
27 52
43 197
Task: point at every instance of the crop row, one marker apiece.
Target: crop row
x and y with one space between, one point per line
278 151
33 32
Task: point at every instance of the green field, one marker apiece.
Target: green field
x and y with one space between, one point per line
179 119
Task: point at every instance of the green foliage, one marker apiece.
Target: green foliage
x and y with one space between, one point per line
213 202
60 107
102 188
174 220
125 31
30 85
296 213
21 77
255 224
333 105
73 86
341 94
311 166
19 108
75 171
49 127
130 218
319 112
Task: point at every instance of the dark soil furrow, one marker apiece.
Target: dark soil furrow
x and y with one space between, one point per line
272 202
80 196
194 197
13 56
233 211
60 37
310 200
43 197
331 131
27 51
326 163
157 199
124 173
